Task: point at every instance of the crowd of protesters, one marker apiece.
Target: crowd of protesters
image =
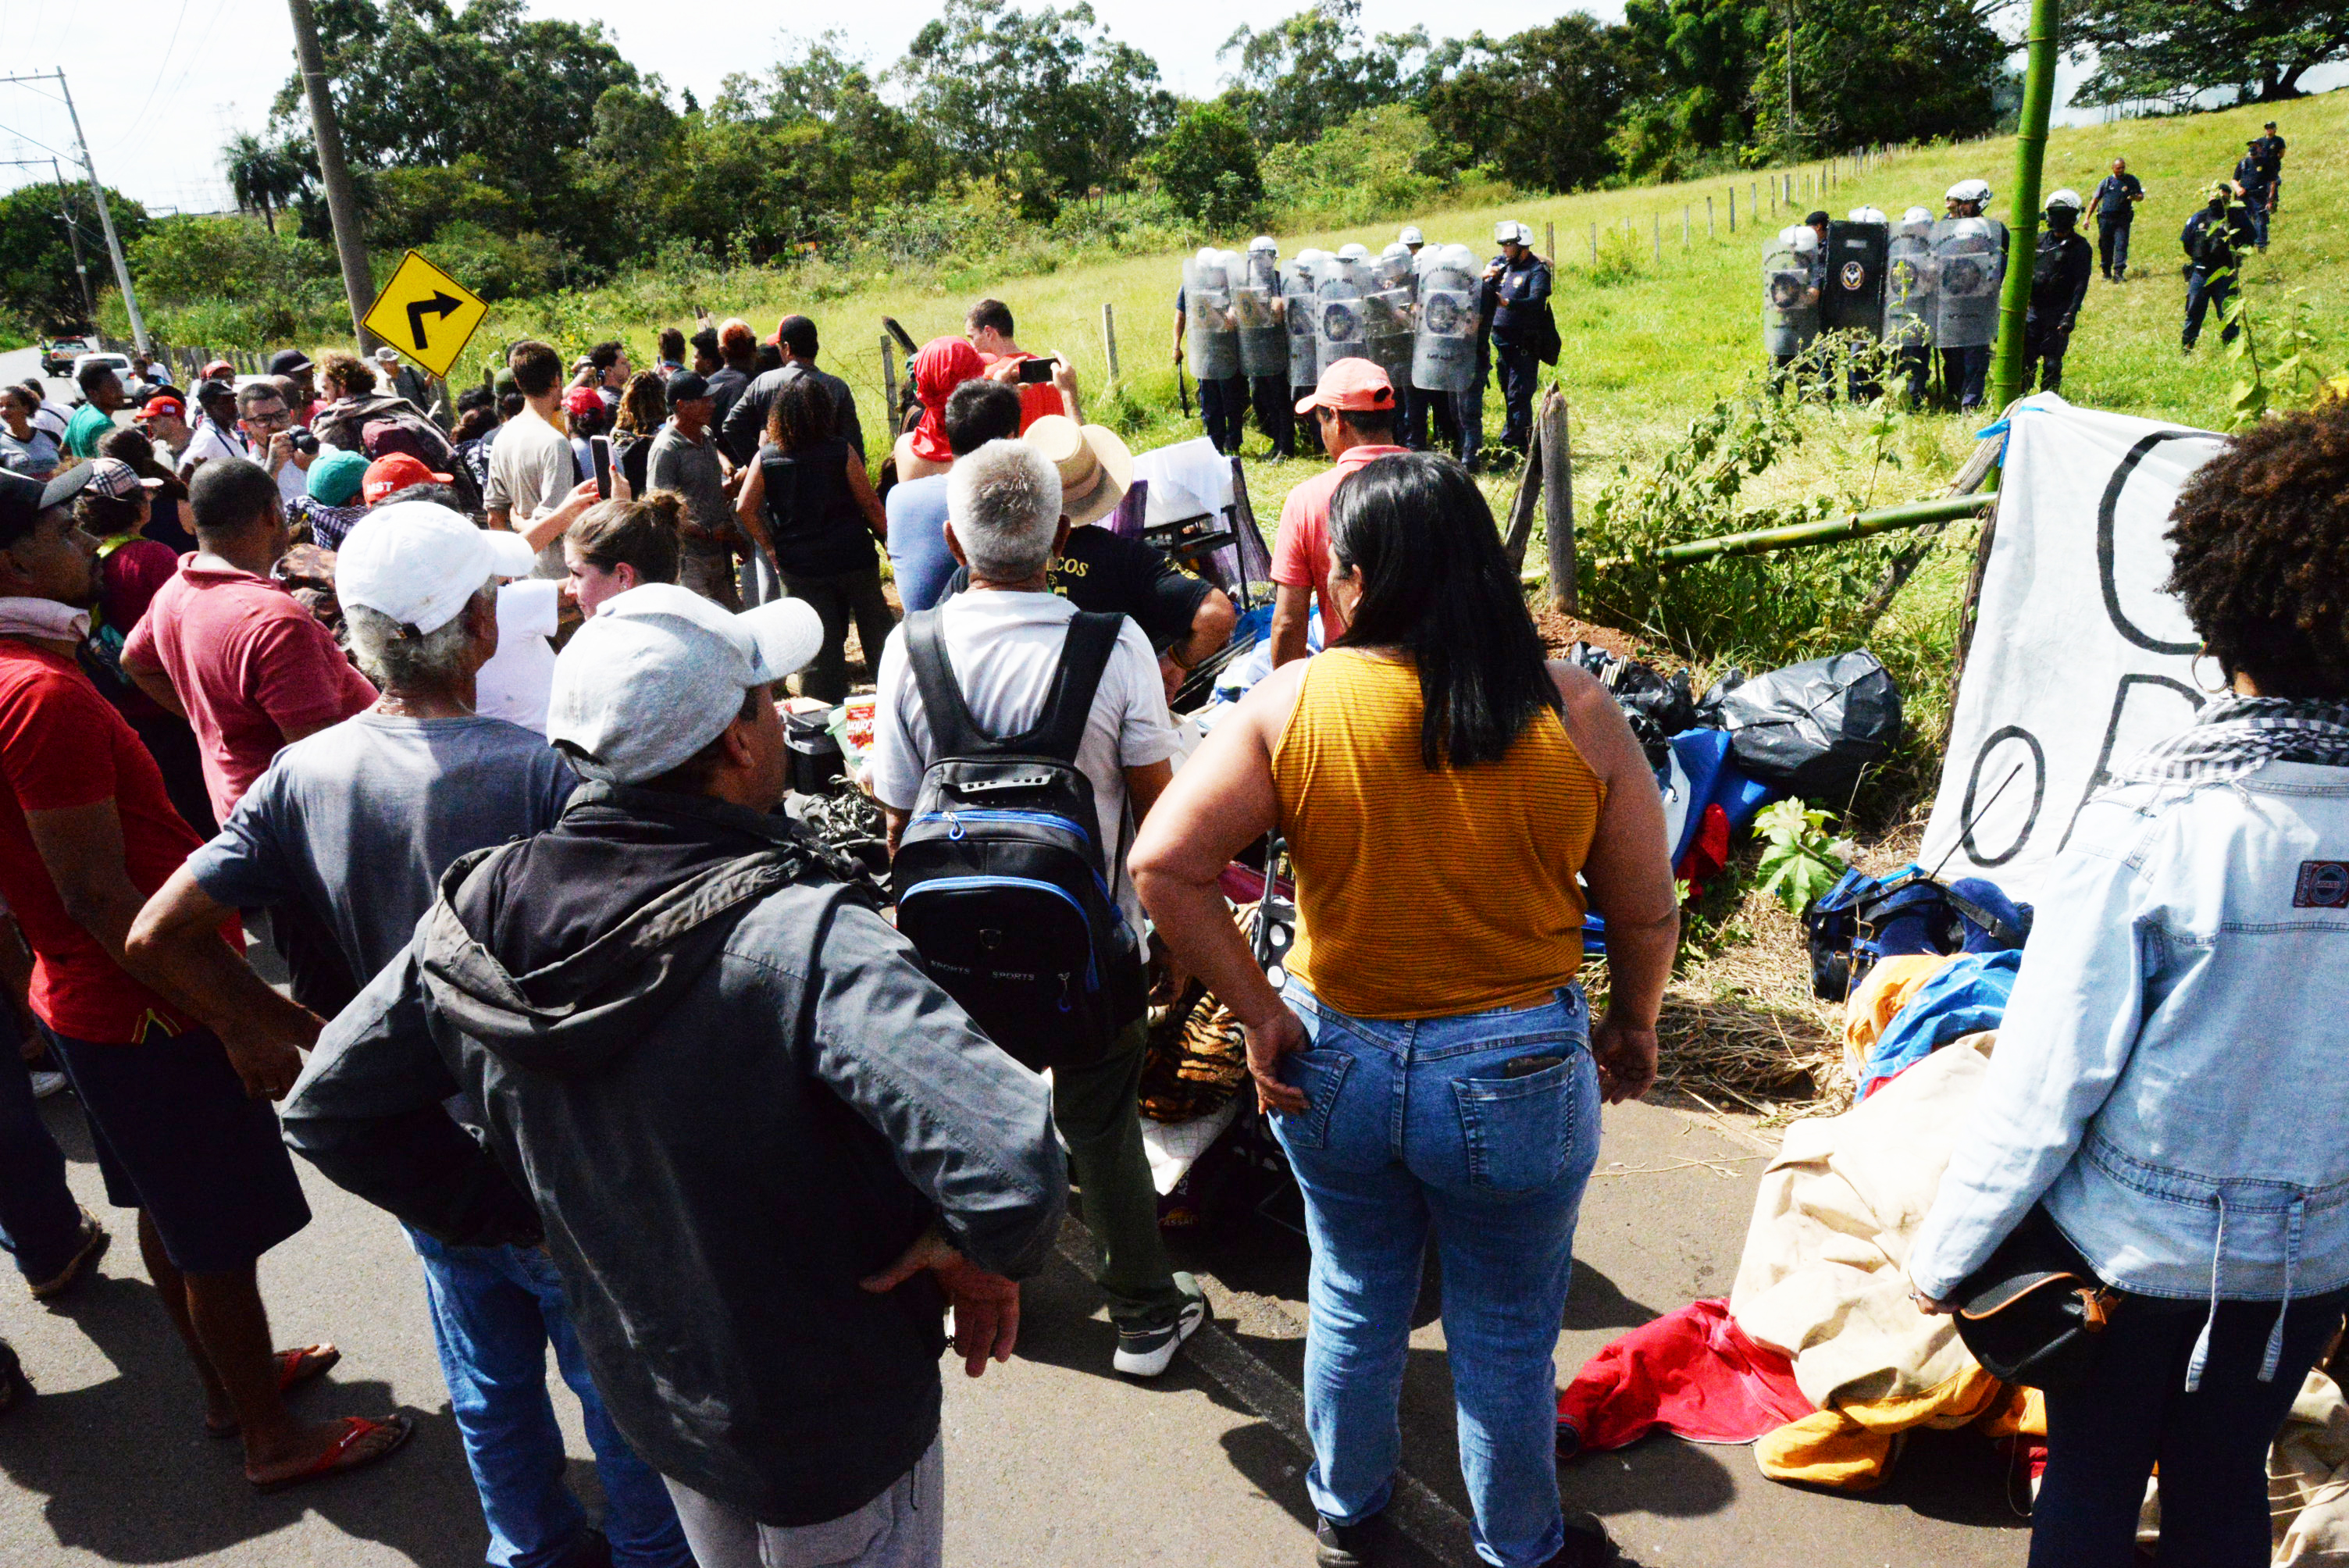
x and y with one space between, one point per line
479 725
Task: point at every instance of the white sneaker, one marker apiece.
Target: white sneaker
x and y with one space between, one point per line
1147 1352
48 1083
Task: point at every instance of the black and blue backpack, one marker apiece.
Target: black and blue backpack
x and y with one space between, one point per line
1000 876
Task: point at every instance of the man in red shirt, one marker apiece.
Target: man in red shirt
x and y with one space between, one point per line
1355 408
989 328
179 1117
228 649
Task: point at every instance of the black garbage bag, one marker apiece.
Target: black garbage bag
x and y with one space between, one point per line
1658 706
1811 729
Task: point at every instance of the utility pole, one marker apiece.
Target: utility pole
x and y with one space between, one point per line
73 238
105 212
342 205
2030 153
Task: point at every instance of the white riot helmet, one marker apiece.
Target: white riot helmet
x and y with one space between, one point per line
1459 258
1397 249
1802 237
1308 256
1411 236
1510 231
1263 242
2068 197
1915 217
1210 256
1971 228
1967 191
1869 215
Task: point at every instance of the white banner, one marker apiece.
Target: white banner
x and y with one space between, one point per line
2079 659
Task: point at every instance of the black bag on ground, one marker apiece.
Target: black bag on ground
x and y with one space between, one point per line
1658 707
1000 875
1811 729
2033 1313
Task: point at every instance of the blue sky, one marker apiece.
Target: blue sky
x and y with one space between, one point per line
160 84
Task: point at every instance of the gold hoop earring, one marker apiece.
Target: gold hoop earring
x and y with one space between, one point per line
2195 669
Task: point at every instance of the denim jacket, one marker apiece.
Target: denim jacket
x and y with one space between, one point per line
2169 1078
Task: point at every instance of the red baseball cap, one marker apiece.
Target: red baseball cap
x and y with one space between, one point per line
164 408
582 400
219 370
390 475
1353 385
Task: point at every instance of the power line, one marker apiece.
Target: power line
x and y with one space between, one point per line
148 101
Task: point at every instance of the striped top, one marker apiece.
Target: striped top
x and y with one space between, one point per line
1422 894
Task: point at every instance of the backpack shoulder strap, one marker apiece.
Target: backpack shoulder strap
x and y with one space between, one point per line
953 732
1060 729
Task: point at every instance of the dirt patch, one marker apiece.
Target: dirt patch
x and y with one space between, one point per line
1560 632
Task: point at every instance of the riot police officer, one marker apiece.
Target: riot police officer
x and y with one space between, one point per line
2059 285
2214 239
2116 200
2269 150
1909 300
1525 335
1970 254
2258 183
1412 240
1262 312
1203 317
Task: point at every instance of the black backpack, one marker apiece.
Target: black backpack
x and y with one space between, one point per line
1000 876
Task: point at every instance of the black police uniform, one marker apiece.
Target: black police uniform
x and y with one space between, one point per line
2059 284
1223 404
2214 239
1522 328
2258 187
2115 211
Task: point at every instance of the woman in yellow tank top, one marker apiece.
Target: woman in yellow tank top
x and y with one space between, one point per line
1431 1067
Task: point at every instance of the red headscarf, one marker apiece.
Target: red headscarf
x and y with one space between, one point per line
943 365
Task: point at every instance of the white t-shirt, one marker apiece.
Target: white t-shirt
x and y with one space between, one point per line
1003 648
206 439
530 470
515 684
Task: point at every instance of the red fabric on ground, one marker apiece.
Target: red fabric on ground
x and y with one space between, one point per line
1692 1372
1707 852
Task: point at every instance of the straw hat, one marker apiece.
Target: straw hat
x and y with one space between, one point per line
1096 466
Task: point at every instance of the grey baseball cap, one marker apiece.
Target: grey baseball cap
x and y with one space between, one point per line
659 672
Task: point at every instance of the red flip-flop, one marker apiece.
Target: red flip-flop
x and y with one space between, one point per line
338 1458
295 1368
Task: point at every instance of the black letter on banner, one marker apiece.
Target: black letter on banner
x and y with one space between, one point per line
1974 785
2113 487
2101 775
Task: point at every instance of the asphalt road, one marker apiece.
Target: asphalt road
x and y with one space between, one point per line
1052 1460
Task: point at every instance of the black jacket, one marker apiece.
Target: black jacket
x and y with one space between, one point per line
2059 276
744 425
2215 242
722 1090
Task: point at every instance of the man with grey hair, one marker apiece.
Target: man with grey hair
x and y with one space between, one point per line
1003 640
352 827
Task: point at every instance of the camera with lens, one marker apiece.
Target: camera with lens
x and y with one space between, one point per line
303 441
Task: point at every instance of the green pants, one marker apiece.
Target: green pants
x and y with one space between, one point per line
1097 1109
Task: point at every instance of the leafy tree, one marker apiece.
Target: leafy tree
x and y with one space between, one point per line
1207 164
280 284
1878 70
1704 54
1045 100
1537 106
2165 50
38 284
267 176
1382 159
1312 70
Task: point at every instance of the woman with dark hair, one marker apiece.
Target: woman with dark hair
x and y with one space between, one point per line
615 545
112 508
644 409
1431 1066
2167 1099
165 525
808 505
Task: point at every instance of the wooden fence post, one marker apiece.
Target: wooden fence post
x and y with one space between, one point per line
1549 243
1109 338
1732 208
1594 244
1521 508
1656 232
1708 216
1558 502
889 384
1684 225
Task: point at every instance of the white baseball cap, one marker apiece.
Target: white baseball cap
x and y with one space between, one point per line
1411 236
659 672
421 562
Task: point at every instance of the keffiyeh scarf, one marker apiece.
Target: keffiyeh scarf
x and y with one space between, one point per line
2235 735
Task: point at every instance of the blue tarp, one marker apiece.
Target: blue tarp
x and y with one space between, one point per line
1966 996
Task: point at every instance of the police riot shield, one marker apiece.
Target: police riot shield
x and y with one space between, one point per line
1258 312
1790 300
1852 299
1211 340
1908 286
1969 264
1444 350
1337 323
1299 314
1389 300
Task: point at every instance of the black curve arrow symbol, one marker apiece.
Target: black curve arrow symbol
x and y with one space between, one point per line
440 304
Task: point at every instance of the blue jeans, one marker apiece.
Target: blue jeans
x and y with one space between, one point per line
1519 370
2207 291
1414 1125
39 1221
494 1312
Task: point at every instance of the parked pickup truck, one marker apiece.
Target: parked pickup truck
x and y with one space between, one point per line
59 355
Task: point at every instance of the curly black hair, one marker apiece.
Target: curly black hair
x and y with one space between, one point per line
2260 536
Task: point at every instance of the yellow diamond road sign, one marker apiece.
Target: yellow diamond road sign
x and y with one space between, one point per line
426 313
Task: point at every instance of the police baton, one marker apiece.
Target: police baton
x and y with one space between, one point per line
1183 388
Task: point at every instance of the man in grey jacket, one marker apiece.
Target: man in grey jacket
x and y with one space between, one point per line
764 1151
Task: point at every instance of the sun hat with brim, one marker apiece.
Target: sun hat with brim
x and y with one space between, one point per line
1353 386
659 672
112 476
335 478
421 562
1096 466
384 354
22 500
